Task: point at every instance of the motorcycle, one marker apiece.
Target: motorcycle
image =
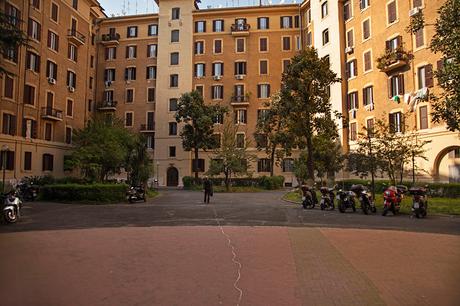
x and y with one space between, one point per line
327 198
136 193
27 190
345 200
12 207
309 199
363 196
392 198
419 201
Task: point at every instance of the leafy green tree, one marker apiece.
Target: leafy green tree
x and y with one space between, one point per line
11 36
138 164
328 156
305 96
197 133
300 167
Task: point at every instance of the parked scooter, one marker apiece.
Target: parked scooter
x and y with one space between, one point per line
392 198
27 190
327 198
367 205
345 200
12 207
136 193
309 199
419 201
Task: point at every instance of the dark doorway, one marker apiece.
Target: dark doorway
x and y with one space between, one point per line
173 177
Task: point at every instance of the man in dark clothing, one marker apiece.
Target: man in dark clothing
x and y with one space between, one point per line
207 186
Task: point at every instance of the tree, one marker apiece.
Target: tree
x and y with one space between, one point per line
197 133
327 155
139 166
271 134
300 167
305 96
11 36
231 159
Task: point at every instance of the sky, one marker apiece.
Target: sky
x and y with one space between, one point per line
117 7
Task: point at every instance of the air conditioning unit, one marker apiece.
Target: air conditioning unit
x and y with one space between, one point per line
71 89
108 83
414 11
51 81
239 76
349 50
217 77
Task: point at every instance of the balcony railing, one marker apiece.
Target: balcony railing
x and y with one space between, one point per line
107 106
110 38
240 29
393 59
76 37
51 113
240 100
149 127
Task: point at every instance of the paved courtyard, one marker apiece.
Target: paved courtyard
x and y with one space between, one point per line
244 249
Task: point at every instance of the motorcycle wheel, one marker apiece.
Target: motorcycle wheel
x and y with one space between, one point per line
353 206
417 215
374 209
304 204
425 210
365 207
385 211
341 207
10 216
131 200
323 206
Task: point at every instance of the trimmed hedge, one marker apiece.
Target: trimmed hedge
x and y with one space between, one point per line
265 182
450 190
102 193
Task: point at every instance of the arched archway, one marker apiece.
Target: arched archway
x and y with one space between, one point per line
438 159
172 175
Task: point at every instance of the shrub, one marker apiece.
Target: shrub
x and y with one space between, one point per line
271 182
265 182
101 193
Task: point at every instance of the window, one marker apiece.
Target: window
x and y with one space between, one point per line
298 43
200 70
325 36
9 87
391 11
240 68
53 41
363 4
175 13
108 95
309 39
368 95
217 92
174 60
9 162
47 160
71 79
72 52
129 97
35 4
263 67
352 101
218 119
263 44
218 69
288 165
198 165
9 124
11 54
218 46
286 22
130 74
48 131
172 105
416 3
110 53
396 122
69 108
128 119
109 75
352 69
33 62
286 43
396 85
353 132
172 128
217 140
263 23
370 127
308 17
150 141
347 13
151 94
367 61
263 165
152 30
174 36
200 26
261 140
27 161
75 4
131 52
241 116
286 64
263 91
131 32
366 29
240 44
218 25
239 93
425 76
423 117
173 80
262 114
324 10
350 39
54 12
172 151
199 47
68 135
29 94
393 43
152 51
419 38
200 89
151 73
240 140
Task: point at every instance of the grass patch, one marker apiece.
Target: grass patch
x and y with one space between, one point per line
221 189
435 205
151 193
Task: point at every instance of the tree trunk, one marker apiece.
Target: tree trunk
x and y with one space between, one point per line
272 160
310 165
195 164
227 181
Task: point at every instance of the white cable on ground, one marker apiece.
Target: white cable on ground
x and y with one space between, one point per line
234 259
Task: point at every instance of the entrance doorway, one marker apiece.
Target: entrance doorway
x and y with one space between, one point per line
172 177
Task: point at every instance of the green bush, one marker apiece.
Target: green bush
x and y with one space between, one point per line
101 193
271 182
265 182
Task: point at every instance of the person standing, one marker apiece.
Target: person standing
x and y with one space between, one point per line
207 186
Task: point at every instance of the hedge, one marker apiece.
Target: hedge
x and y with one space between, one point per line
450 190
101 193
265 182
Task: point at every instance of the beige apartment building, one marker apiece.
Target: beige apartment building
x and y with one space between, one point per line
136 68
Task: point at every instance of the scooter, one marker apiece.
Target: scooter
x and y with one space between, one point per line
327 198
27 190
367 205
309 199
419 201
136 193
345 200
392 198
12 207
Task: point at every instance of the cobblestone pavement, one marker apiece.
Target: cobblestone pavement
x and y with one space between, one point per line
312 259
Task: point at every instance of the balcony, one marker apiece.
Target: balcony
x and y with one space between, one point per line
240 29
50 113
148 128
76 37
240 100
110 106
110 39
393 59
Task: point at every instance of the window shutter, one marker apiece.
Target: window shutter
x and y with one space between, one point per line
258 91
235 116
268 90
348 102
213 69
281 22
429 75
364 96
390 87
399 41
39 30
356 100
236 68
106 53
126 73
268 22
355 67
49 39
135 52
13 125
387 45
347 70
361 4
296 21
29 27
57 43
34 128
24 127
28 59
440 64
401 84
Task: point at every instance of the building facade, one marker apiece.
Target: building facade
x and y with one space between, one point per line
136 68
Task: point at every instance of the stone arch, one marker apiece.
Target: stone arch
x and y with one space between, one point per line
172 175
439 158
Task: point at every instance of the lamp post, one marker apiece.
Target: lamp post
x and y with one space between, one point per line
4 152
158 167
